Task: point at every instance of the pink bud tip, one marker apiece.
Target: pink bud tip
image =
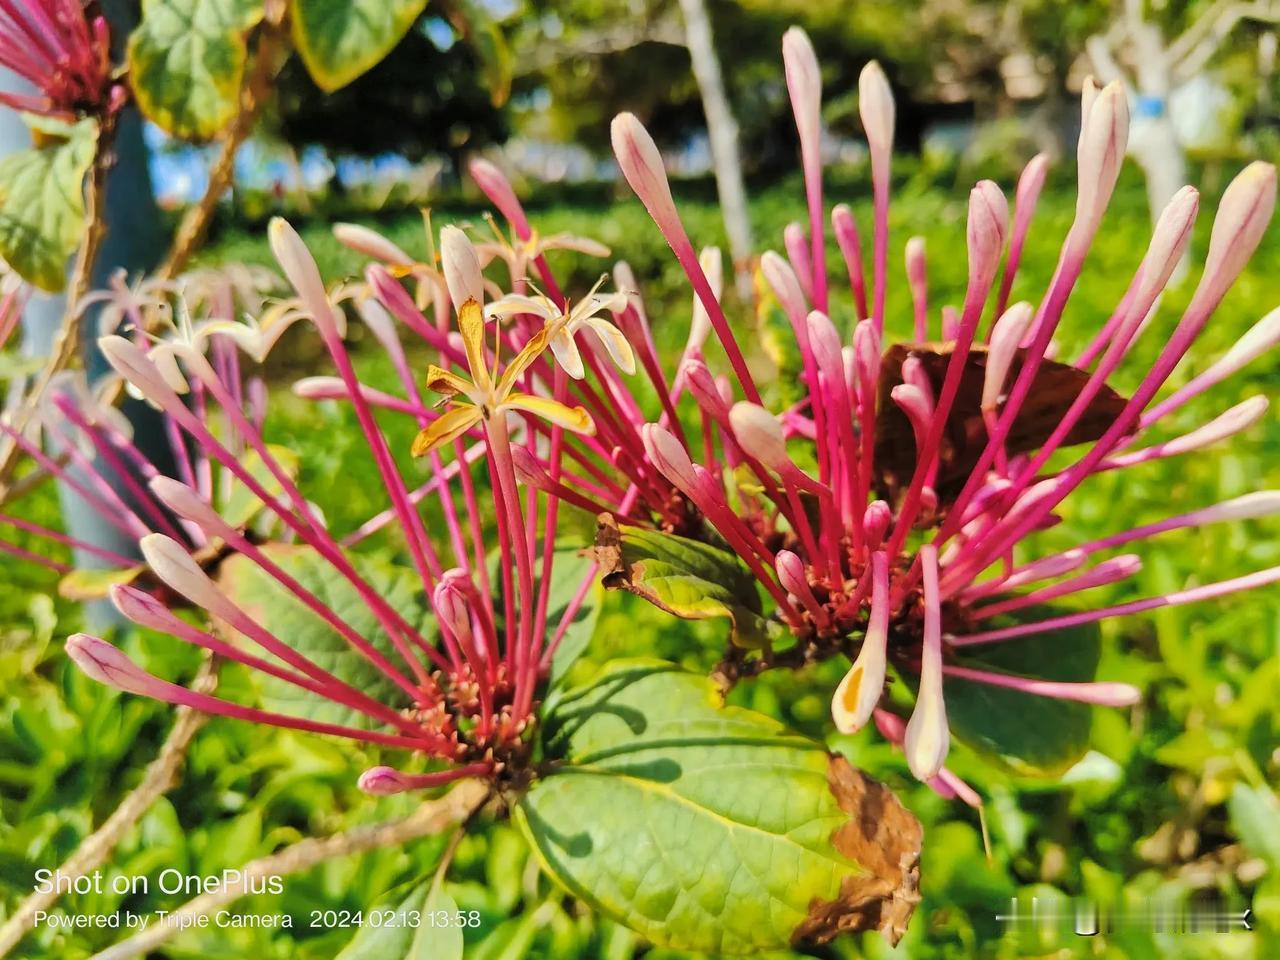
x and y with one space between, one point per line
1243 215
785 284
1168 241
704 388
1100 153
188 504
804 82
641 164
370 243
171 562
461 267
791 573
824 341
320 388
760 435
988 225
1005 337
875 522
915 261
528 470
102 662
669 457
301 270
495 185
383 782
141 608
451 604
128 360
875 106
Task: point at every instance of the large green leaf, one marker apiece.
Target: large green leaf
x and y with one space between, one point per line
713 828
1254 813
42 200
688 578
285 616
413 929
341 39
187 61
1031 735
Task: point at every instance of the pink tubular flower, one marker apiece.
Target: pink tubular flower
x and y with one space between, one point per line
62 51
889 514
464 681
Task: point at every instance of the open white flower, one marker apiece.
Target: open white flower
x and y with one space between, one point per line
563 325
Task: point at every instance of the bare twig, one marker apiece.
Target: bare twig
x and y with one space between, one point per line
161 776
430 818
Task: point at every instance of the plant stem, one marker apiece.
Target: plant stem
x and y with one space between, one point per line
161 776
432 817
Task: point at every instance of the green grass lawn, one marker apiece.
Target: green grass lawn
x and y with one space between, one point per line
1171 802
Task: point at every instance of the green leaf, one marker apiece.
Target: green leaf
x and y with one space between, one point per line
412 936
1031 735
688 578
341 39
712 828
42 200
285 616
484 36
568 570
92 584
187 60
1254 813
242 504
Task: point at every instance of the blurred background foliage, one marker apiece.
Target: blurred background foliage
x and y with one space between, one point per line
1174 804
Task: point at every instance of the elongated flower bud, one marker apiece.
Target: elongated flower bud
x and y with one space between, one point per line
784 283
791 573
712 263
824 341
988 225
875 522
138 606
495 185
704 388
451 606
528 470
928 738
760 435
641 164
1240 417
804 83
384 782
1251 506
461 267
189 505
100 661
300 269
371 243
875 107
1100 153
1168 241
1243 215
1005 337
860 690
129 360
173 565
670 458
797 247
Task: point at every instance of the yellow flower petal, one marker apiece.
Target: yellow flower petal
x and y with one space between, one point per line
447 382
571 418
447 428
537 343
471 325
618 346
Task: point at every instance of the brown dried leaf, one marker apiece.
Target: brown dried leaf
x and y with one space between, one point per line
885 838
1056 387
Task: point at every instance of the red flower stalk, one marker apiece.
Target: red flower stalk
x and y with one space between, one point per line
60 48
468 687
929 466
